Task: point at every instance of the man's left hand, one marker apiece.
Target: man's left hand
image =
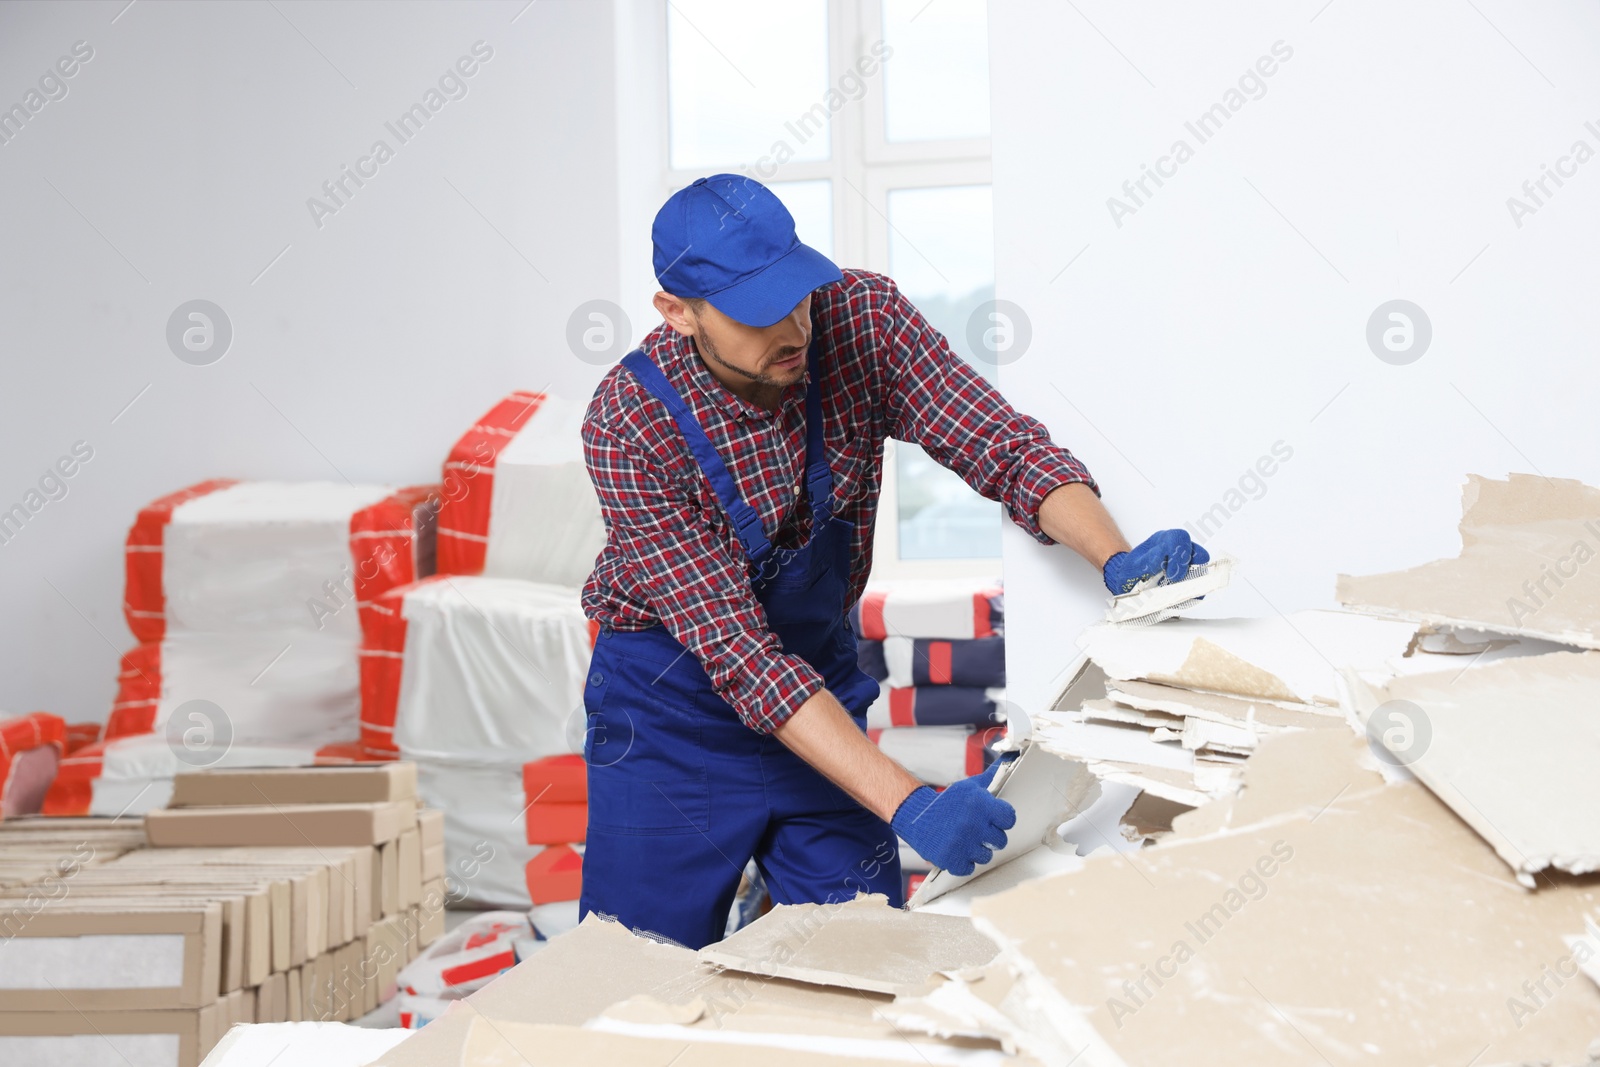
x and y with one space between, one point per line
1168 554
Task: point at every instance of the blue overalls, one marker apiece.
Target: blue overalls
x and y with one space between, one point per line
681 792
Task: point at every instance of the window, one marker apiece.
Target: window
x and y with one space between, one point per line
870 120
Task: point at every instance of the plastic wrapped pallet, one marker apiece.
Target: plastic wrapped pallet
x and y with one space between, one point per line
477 669
31 747
252 595
518 502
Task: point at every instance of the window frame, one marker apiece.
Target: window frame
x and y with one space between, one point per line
864 168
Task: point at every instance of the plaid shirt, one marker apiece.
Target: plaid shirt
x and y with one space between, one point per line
672 557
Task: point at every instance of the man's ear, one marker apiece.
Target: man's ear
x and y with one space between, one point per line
676 313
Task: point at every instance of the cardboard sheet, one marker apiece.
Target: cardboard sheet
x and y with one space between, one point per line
1288 658
1045 790
1514 748
1526 565
862 944
1380 931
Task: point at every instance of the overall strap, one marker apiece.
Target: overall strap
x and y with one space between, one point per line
819 477
744 518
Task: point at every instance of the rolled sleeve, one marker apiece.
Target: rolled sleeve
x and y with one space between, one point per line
697 585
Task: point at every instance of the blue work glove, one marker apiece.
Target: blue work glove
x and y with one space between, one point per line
1168 552
956 829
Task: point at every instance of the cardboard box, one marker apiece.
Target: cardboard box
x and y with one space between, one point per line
156 1038
408 858
430 823
430 925
293 995
284 825
433 865
389 879
370 783
124 955
270 1004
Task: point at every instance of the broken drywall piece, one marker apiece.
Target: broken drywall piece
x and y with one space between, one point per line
1283 658
860 944
1218 707
1585 948
1512 746
1380 932
1038 863
1301 773
1045 790
1526 546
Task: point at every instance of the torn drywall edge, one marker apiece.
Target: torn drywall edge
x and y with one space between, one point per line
859 944
1516 535
1285 658
1447 725
1221 707
1049 1028
886 1050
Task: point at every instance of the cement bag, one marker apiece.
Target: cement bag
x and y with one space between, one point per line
936 705
907 661
938 755
950 609
485 846
518 502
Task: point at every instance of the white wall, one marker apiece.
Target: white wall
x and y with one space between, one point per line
1229 312
178 166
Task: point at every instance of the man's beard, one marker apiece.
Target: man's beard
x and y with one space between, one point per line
710 352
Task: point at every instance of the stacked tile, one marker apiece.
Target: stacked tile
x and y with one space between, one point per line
272 895
248 601
937 649
1176 708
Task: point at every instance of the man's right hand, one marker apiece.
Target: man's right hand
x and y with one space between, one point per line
956 829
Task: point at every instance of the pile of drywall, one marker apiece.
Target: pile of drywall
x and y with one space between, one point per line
1176 708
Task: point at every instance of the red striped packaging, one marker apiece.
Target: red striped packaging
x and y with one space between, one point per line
31 748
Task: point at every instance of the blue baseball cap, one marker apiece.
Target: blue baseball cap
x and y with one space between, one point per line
728 240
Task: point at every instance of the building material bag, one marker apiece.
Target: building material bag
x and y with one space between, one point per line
31 748
938 755
937 705
477 669
480 948
948 609
518 502
251 596
909 661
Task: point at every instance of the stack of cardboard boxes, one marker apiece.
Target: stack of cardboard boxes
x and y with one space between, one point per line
264 896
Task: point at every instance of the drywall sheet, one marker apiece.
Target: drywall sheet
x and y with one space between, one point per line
308 1044
1189 703
861 944
1287 658
1513 747
1380 931
1045 790
1527 565
1292 773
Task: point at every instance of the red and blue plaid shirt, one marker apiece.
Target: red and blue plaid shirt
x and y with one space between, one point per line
672 557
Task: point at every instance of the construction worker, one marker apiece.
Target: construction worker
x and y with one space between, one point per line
737 456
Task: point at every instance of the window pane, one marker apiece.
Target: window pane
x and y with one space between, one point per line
936 81
744 78
811 204
941 254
